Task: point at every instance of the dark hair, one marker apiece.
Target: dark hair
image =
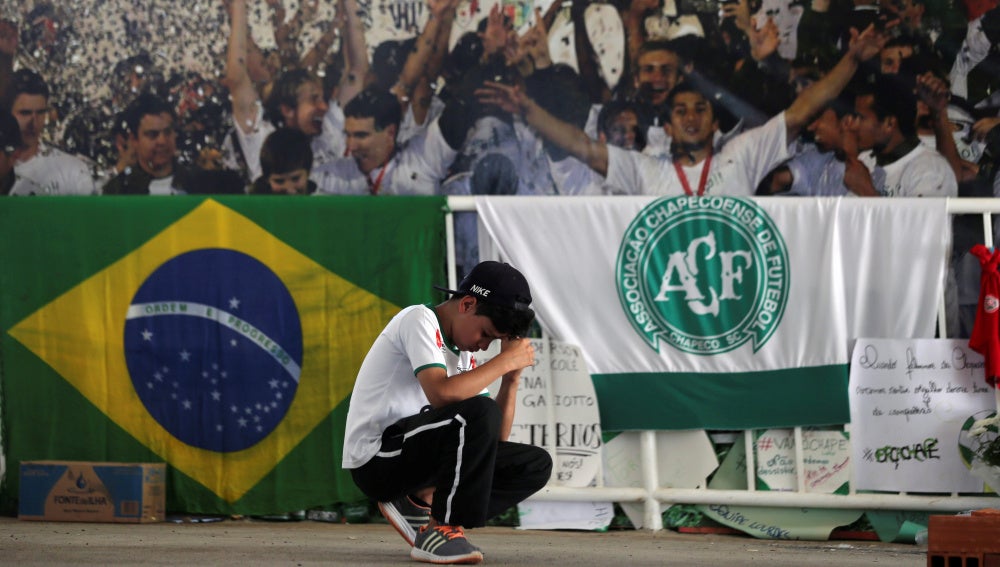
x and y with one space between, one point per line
41 10
658 45
24 81
375 103
842 105
687 87
35 25
140 64
507 320
464 56
892 95
901 41
285 91
146 104
285 150
143 66
388 60
612 110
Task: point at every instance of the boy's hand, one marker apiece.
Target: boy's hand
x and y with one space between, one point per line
983 126
519 352
934 92
509 99
868 43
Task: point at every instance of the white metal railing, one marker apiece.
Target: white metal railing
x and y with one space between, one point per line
651 495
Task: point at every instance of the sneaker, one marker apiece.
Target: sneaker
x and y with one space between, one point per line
444 545
406 516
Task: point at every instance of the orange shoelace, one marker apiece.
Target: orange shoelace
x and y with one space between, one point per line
450 532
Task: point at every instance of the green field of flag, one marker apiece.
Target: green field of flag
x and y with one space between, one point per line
221 336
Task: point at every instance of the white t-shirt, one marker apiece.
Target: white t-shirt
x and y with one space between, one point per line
387 388
24 187
518 143
164 186
409 128
736 169
821 174
573 177
923 172
329 145
415 169
55 172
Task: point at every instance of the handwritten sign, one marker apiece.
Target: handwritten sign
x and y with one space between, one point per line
572 403
909 399
764 522
826 460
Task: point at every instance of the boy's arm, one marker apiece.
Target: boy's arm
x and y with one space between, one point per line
352 43
442 389
935 94
571 139
237 79
316 57
417 66
863 47
507 395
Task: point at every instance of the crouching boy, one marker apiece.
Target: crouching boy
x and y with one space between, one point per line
422 440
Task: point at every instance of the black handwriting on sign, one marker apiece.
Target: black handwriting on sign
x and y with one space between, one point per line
912 364
869 360
960 360
917 452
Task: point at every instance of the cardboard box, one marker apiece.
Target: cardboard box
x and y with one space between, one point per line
71 491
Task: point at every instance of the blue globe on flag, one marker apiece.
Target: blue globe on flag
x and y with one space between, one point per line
213 346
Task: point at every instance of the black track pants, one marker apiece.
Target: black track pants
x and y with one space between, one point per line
455 449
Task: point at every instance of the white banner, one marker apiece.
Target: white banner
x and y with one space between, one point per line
723 285
909 402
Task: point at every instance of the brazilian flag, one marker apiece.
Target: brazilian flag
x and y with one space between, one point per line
220 335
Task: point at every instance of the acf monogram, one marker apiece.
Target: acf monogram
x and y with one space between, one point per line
705 274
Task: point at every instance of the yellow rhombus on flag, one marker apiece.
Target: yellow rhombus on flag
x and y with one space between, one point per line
81 335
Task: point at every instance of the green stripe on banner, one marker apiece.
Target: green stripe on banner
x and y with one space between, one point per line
221 335
745 400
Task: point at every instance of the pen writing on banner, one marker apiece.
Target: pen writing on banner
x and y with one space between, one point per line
737 517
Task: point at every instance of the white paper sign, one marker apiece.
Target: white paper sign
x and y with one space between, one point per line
909 399
576 430
826 456
540 515
684 459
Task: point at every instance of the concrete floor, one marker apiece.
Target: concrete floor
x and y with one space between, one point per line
245 542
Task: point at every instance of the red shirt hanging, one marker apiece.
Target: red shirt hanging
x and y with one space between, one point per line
986 330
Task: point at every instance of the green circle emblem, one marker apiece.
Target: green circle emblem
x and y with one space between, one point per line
704 274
